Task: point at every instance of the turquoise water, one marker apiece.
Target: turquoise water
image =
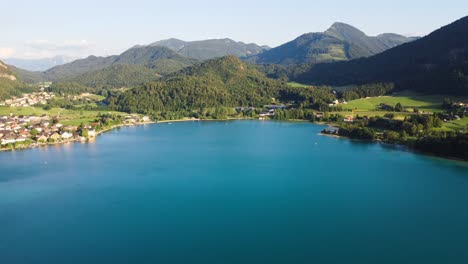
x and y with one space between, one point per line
230 192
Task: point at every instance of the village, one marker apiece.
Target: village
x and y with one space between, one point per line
18 132
30 99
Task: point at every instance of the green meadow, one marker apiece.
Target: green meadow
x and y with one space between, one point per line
67 117
425 103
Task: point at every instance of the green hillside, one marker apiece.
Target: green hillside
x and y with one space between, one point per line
119 75
340 42
75 68
10 85
219 82
437 63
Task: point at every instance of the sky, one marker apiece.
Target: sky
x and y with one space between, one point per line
46 28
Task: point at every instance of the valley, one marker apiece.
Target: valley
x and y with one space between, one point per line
220 79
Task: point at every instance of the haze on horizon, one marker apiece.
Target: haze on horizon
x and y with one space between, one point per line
41 29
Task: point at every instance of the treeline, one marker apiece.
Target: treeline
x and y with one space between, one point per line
418 132
450 144
317 98
64 88
368 90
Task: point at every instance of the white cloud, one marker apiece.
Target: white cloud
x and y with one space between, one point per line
6 52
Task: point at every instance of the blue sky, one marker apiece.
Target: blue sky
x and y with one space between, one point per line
46 28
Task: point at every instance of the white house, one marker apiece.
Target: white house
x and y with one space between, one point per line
66 135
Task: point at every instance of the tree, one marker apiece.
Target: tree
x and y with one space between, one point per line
398 107
34 132
84 133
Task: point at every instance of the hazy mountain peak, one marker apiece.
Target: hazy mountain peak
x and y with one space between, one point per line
210 48
39 64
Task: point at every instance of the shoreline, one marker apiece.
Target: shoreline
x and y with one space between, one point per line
405 147
400 146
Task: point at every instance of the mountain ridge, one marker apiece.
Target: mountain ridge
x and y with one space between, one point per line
339 42
211 48
437 62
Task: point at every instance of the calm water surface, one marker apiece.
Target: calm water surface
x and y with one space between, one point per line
230 192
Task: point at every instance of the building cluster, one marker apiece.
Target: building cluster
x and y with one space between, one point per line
270 110
29 99
338 102
461 105
37 129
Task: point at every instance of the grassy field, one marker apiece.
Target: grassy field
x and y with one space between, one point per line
458 124
67 117
426 103
298 85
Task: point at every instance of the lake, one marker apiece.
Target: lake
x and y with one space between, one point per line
230 192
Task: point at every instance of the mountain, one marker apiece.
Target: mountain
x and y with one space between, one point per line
9 84
160 60
371 45
118 75
218 82
435 63
6 73
39 64
148 55
211 48
75 68
340 42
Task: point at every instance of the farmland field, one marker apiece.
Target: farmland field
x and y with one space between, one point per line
67 117
426 103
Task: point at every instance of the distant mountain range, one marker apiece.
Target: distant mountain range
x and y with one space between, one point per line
339 43
211 48
435 63
157 60
162 58
39 64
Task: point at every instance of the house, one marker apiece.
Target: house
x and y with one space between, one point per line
269 107
91 133
54 128
55 137
336 102
318 115
146 119
8 139
24 133
42 138
349 119
269 113
20 139
67 135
